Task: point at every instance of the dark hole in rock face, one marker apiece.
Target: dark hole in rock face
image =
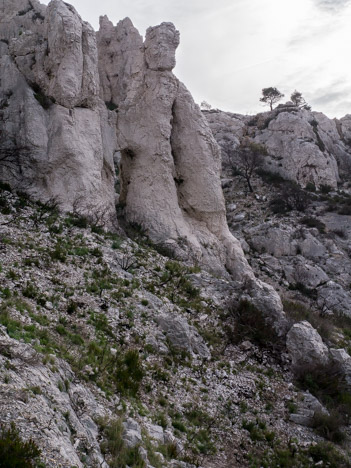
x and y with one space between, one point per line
125 173
178 180
128 153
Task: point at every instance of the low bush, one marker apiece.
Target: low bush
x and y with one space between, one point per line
117 454
329 426
14 452
128 372
271 178
311 222
291 197
327 383
250 323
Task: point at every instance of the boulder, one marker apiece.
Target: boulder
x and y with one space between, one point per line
183 336
155 432
343 360
306 409
332 297
306 347
131 433
310 276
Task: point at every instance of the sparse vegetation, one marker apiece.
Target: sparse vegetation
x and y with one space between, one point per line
16 453
114 448
88 313
245 321
271 96
291 197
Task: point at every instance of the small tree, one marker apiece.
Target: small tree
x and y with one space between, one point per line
205 106
245 159
271 96
299 100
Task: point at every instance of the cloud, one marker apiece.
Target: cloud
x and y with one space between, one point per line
328 98
333 98
332 5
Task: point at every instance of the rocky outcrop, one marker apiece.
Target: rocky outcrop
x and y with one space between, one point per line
59 138
170 162
55 140
303 146
182 336
307 408
306 347
74 410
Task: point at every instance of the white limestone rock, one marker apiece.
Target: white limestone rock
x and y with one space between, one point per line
299 271
305 346
170 162
276 241
131 433
332 297
307 408
303 146
183 336
342 359
54 129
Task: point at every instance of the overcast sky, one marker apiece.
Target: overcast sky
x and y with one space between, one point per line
231 49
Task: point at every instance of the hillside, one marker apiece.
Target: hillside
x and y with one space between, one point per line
174 284
98 330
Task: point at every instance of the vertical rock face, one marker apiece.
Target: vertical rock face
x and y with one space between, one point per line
55 138
170 167
58 139
303 146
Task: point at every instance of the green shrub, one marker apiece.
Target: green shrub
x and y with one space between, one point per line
72 307
250 323
328 454
111 106
77 221
327 383
117 454
311 222
272 178
310 187
324 188
329 426
179 425
291 197
14 452
30 291
59 253
128 373
5 187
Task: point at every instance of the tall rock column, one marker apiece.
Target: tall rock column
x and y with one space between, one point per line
170 166
54 128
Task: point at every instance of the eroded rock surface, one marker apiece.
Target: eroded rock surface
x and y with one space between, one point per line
303 146
55 140
170 165
306 347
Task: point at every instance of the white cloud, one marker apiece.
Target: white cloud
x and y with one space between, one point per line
231 49
332 5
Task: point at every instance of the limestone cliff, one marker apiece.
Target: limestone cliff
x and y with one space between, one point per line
303 146
55 141
60 129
